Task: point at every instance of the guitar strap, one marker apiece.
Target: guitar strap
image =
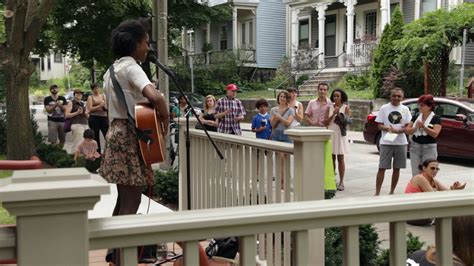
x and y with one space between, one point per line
143 135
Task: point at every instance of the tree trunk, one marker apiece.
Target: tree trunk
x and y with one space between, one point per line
20 144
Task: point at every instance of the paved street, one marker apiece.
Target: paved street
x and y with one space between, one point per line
361 168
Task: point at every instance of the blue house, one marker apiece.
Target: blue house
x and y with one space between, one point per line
256 34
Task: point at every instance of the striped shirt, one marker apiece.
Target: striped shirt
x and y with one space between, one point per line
228 124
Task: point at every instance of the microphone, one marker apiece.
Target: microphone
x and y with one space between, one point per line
152 58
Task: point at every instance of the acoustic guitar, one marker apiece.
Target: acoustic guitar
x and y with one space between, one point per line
147 120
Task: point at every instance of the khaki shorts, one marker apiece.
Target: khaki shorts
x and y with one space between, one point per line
397 152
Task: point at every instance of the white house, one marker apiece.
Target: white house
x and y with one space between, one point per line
320 28
51 66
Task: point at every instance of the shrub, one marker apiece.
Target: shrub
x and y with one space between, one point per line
166 187
302 79
413 244
368 242
54 155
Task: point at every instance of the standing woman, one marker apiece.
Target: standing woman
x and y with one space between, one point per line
295 104
336 116
97 107
77 112
208 117
425 128
122 163
281 117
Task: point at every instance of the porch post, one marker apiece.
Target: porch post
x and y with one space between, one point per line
51 208
350 27
321 8
309 178
385 13
183 181
235 35
294 32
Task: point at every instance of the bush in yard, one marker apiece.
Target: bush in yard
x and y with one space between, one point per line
54 155
413 244
166 187
368 243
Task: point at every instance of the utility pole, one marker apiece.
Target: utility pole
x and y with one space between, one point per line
463 55
160 32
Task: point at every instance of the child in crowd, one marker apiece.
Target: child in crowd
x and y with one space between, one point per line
261 121
87 150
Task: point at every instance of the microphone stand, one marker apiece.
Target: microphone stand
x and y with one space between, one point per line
154 60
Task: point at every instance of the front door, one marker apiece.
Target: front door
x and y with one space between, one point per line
330 36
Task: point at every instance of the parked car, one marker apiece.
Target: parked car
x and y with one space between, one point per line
457 119
196 100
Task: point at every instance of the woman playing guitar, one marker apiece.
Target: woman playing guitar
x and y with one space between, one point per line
122 163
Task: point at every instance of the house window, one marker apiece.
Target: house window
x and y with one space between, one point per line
246 34
427 6
204 38
371 24
58 58
223 38
42 63
49 62
303 34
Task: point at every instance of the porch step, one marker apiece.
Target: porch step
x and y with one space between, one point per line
309 87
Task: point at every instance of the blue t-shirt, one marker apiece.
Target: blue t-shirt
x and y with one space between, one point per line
258 121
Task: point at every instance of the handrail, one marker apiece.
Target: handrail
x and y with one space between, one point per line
292 75
127 231
321 69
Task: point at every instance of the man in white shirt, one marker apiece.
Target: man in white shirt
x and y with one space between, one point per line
392 119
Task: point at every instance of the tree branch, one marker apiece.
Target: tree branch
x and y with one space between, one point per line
38 19
32 6
15 36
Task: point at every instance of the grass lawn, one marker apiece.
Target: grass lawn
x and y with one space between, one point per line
269 94
5 217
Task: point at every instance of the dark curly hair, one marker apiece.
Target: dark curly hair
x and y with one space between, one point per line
344 97
261 102
88 134
126 36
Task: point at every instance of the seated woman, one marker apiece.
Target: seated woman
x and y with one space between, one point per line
463 245
425 182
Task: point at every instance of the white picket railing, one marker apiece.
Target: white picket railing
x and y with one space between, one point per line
362 53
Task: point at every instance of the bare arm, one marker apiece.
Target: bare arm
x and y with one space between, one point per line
158 101
433 132
410 129
420 181
68 113
327 119
299 113
287 122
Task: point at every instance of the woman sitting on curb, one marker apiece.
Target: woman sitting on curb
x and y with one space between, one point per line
425 182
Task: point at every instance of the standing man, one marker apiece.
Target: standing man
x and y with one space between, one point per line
230 112
316 110
392 119
55 106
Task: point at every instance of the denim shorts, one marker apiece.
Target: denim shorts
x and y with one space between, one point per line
278 135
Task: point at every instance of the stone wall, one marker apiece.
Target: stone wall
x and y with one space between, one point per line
360 110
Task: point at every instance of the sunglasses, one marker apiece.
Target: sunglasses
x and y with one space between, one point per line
396 96
434 168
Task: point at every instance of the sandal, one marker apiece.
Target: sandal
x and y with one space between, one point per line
340 187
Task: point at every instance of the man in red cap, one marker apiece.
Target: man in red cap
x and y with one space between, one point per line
230 112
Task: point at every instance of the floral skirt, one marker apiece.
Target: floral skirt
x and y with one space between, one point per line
122 162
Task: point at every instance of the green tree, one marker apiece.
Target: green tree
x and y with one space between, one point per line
434 36
23 21
385 54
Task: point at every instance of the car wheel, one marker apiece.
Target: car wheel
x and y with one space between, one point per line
377 141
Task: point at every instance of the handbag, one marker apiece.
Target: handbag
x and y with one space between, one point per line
67 125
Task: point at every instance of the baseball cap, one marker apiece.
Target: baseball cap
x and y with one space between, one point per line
231 87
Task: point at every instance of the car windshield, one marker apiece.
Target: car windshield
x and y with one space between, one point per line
468 104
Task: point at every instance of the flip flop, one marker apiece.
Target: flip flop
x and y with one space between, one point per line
340 187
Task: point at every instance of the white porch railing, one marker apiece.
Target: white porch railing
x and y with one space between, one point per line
53 229
362 53
256 172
